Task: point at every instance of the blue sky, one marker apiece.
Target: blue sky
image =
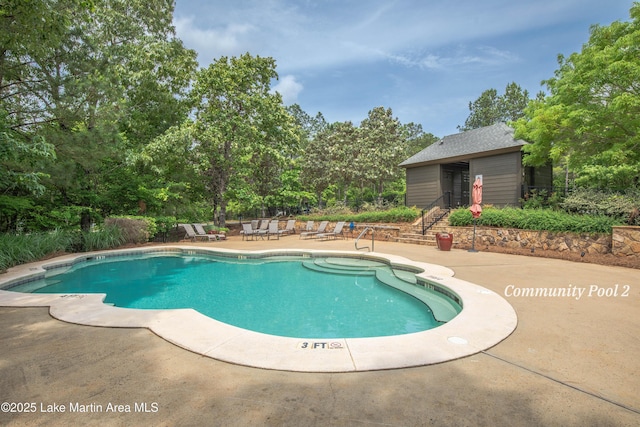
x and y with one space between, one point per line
424 59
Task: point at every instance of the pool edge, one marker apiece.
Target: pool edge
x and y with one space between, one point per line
486 320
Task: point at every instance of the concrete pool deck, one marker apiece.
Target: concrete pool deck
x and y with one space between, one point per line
572 360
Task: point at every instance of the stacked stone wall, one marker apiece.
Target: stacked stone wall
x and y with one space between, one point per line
625 241
530 239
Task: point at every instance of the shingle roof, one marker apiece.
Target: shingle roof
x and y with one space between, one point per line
470 143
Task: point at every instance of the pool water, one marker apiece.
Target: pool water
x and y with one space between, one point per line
273 296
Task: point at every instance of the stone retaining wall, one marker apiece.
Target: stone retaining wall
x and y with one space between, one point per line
625 241
531 239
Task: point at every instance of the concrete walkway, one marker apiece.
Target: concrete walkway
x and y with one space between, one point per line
572 361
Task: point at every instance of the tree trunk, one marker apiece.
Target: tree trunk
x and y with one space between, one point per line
223 213
85 220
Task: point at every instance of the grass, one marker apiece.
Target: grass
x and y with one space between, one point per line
16 249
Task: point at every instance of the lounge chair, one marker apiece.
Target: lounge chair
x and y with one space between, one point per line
290 228
337 231
255 223
193 235
312 234
273 230
200 230
263 230
248 231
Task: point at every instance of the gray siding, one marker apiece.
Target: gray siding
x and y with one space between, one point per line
501 178
423 185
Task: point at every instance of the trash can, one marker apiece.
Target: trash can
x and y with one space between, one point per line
444 241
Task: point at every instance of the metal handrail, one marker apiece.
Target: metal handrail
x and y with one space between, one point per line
362 234
446 202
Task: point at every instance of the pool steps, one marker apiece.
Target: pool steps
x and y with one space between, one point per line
443 308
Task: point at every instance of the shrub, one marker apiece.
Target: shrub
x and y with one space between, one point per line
18 249
539 199
134 229
399 214
592 202
103 238
536 219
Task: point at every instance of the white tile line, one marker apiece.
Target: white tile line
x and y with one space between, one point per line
486 319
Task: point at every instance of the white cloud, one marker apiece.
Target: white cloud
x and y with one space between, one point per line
214 42
289 89
346 50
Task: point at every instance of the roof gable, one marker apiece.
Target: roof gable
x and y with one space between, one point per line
472 143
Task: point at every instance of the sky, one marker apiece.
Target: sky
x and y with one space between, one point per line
424 59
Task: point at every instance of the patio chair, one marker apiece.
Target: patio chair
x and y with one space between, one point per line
337 231
273 230
255 223
312 234
290 228
248 231
193 235
200 230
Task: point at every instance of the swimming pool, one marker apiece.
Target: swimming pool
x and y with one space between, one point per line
485 319
292 296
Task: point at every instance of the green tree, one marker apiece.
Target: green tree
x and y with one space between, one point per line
239 124
309 126
95 80
416 139
330 157
381 149
590 119
491 108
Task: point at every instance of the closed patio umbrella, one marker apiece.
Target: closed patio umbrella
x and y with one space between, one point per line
476 209
476 197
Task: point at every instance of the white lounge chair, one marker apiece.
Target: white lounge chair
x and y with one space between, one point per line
290 228
192 235
337 231
273 230
247 231
200 230
312 234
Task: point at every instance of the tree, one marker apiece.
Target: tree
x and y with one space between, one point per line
239 124
415 138
591 118
95 79
309 126
329 159
491 108
381 149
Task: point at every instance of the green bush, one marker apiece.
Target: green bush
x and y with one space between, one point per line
535 219
134 229
399 214
102 238
18 249
617 205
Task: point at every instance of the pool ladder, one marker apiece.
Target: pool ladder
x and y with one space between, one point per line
362 234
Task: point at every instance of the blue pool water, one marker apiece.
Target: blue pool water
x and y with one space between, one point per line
278 297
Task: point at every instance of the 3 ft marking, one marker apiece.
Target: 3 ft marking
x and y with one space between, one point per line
321 345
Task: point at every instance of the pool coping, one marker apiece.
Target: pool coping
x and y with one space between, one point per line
485 320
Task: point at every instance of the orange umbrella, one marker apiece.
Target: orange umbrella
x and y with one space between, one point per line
476 196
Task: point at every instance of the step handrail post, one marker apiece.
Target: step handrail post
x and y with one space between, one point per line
362 234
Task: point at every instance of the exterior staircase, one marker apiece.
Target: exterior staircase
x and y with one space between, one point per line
429 238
